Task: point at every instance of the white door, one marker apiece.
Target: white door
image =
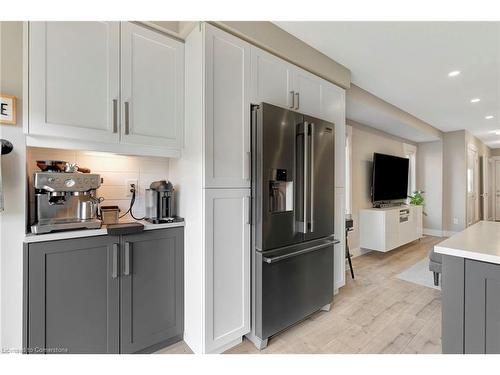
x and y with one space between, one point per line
484 189
271 80
227 262
477 188
227 110
74 81
152 87
491 190
497 190
472 185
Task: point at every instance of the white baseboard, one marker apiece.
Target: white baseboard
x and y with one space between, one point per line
448 233
356 252
433 232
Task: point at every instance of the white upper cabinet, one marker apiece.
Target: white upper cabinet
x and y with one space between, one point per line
74 82
227 110
307 89
271 80
227 266
152 69
333 110
105 86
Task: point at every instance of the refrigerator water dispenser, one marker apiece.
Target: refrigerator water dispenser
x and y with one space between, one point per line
280 192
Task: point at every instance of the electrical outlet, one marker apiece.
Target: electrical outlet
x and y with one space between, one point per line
128 187
455 220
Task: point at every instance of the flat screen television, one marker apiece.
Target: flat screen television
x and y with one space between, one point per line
389 178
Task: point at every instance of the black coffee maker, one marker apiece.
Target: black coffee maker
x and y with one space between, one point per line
160 202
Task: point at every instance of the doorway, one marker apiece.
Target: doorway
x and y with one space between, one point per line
486 182
491 189
497 190
472 185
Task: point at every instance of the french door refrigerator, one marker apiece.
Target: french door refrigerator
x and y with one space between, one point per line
292 218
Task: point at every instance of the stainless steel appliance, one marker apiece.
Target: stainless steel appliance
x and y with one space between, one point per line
160 202
65 201
292 218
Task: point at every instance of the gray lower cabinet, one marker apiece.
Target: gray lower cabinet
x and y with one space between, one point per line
73 296
471 306
482 308
152 289
105 294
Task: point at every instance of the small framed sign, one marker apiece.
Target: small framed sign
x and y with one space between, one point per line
7 109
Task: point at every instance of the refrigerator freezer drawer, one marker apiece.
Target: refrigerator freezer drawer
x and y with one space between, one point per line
292 287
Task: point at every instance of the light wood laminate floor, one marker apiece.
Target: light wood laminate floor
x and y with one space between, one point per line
375 313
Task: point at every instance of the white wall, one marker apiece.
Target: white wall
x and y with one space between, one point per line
12 220
430 180
454 182
366 141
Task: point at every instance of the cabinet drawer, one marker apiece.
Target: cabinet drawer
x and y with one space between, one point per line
295 287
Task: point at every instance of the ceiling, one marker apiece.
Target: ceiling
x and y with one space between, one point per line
407 65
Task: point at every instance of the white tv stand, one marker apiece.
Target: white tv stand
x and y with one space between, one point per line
384 229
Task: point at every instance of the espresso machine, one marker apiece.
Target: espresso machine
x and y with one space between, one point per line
160 202
65 200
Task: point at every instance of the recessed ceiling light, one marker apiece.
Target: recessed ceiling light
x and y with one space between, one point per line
475 100
497 132
489 117
454 73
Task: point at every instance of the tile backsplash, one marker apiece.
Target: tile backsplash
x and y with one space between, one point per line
115 171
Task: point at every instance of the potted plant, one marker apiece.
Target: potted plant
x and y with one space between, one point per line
417 199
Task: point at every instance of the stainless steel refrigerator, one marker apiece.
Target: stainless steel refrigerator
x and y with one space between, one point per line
292 218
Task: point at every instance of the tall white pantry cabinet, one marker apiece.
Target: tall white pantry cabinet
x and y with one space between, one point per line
214 198
223 74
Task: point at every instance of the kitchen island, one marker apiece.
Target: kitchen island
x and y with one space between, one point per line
471 290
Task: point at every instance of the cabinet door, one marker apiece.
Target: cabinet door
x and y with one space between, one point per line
308 87
227 110
271 79
339 254
152 289
227 260
333 110
392 228
152 87
74 80
73 295
482 308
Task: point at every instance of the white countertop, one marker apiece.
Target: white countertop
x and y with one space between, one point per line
30 238
480 241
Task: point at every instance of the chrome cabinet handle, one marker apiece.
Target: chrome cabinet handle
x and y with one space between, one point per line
249 165
298 100
249 213
311 135
115 115
127 117
114 271
126 263
292 93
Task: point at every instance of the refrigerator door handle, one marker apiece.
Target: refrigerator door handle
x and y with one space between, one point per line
305 176
278 258
311 177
